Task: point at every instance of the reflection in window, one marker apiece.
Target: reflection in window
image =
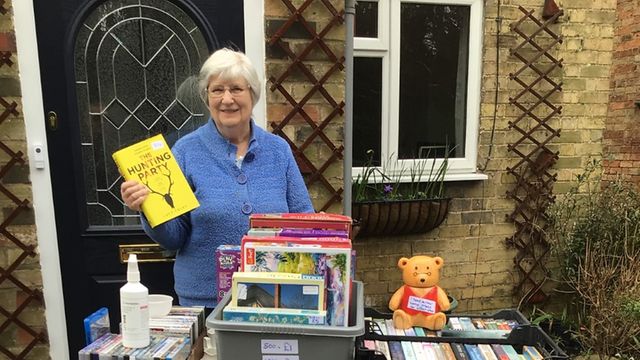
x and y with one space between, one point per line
366 23
135 68
433 79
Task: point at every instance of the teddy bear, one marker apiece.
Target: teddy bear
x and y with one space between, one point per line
420 301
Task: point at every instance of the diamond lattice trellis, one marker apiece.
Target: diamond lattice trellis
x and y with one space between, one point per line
299 63
533 190
10 323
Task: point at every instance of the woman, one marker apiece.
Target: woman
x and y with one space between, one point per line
235 169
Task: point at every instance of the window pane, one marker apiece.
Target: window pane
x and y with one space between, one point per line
366 24
367 109
433 79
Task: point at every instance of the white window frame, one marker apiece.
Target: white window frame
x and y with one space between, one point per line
387 47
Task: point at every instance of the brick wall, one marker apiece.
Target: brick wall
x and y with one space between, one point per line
479 268
324 108
621 136
22 321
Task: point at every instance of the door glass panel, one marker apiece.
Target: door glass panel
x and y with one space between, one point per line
136 63
434 56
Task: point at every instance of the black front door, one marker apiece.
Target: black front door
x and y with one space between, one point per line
114 72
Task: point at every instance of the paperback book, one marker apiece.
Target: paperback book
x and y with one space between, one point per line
331 261
151 163
278 291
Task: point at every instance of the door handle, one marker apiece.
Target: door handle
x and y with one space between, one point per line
149 253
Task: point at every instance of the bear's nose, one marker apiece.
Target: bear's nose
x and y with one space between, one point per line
422 280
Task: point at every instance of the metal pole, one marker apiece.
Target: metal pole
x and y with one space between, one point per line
350 11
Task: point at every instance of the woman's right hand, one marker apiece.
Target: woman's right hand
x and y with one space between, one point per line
133 194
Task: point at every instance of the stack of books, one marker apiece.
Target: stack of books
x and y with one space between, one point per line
444 350
313 247
109 346
174 336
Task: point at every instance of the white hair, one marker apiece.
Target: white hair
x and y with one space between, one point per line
227 64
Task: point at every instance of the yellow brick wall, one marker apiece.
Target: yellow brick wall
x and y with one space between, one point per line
479 268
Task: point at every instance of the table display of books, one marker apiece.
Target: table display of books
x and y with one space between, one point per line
172 337
504 335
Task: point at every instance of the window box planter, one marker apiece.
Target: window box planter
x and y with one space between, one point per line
399 217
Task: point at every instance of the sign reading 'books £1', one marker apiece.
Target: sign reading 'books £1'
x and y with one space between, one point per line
151 163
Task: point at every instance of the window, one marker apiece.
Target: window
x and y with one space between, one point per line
417 67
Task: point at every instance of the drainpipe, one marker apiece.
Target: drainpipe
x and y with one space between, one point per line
349 16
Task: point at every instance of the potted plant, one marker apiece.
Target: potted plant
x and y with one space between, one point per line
406 201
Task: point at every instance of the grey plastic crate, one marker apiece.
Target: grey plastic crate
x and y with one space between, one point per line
244 340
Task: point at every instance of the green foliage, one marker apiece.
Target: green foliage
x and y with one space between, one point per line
425 181
595 233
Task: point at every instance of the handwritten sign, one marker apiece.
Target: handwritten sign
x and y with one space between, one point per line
279 346
422 305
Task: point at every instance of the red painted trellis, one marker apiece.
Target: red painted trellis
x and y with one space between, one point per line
25 295
296 62
534 181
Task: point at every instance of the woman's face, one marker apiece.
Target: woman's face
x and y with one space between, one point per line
230 103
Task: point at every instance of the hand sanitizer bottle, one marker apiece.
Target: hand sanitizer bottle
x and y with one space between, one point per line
134 308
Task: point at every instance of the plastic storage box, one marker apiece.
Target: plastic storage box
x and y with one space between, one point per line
244 340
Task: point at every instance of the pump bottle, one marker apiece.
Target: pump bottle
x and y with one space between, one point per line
134 308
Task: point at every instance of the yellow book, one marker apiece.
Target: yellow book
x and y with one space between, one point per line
151 163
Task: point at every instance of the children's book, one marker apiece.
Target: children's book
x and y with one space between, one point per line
151 163
274 316
278 290
332 261
227 262
301 220
302 233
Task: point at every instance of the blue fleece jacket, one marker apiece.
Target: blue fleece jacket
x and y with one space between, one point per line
268 181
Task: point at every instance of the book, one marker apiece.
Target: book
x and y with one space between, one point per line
530 352
383 347
274 316
301 220
407 350
448 351
227 259
293 232
459 351
395 348
278 290
332 261
499 351
418 351
487 352
151 163
511 352
419 331
473 352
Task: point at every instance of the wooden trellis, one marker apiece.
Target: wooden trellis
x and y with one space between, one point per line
25 296
296 64
533 191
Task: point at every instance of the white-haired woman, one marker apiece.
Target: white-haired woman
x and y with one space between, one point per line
235 169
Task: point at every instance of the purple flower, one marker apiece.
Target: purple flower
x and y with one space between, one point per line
387 189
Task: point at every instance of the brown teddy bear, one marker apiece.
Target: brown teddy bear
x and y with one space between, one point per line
420 301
